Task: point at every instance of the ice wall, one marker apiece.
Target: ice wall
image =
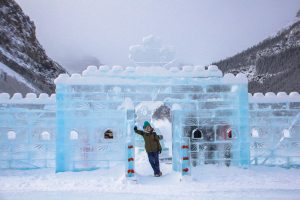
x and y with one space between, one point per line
94 114
27 131
208 100
94 126
275 129
213 128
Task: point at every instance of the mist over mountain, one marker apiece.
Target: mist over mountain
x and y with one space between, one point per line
77 63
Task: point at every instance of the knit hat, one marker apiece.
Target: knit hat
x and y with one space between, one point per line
146 123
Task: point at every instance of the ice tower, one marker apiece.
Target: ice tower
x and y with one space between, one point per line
94 123
211 125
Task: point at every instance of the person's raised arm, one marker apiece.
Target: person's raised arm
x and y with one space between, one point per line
138 131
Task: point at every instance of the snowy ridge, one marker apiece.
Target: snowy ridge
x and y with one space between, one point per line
271 97
30 98
272 64
104 74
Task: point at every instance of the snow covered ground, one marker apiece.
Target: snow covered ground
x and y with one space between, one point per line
212 183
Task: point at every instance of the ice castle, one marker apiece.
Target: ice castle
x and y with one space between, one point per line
88 124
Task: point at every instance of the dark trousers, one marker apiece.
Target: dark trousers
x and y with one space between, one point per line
154 161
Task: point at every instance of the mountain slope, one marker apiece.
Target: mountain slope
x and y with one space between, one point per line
272 65
22 53
12 82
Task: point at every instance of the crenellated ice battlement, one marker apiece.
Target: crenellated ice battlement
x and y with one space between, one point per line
30 98
270 97
104 74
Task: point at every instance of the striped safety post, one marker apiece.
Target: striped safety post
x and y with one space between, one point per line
130 161
185 159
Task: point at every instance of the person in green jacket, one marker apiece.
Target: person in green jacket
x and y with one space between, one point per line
152 146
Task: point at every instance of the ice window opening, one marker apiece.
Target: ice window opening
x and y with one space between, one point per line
108 134
286 133
254 133
224 132
74 135
45 135
11 135
197 134
229 133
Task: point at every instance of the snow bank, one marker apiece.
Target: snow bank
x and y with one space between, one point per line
214 183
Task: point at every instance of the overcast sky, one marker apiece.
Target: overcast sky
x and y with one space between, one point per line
202 31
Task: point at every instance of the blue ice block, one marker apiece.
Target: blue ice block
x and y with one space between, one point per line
274 129
27 131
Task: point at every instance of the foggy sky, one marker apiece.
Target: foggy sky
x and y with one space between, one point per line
202 31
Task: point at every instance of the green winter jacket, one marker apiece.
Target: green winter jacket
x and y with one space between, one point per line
151 141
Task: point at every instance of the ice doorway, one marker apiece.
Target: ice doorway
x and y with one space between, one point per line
158 114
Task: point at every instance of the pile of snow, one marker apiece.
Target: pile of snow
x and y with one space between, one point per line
210 182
